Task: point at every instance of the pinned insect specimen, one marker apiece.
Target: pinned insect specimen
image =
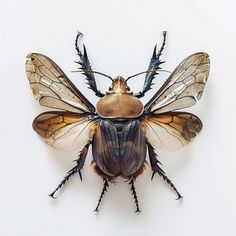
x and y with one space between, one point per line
120 129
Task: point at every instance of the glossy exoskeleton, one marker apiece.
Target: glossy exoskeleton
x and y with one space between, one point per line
121 130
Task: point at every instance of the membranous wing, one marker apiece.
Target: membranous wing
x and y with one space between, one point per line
184 87
52 88
65 130
170 131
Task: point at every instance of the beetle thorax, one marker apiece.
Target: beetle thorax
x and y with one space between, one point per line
119 102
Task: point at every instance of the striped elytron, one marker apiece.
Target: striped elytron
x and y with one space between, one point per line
121 130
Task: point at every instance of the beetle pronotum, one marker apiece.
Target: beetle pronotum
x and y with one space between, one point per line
121 130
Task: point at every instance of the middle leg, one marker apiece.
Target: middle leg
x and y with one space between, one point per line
157 169
76 169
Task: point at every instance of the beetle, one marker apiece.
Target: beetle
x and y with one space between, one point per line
120 129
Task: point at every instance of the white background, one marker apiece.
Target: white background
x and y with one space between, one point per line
120 36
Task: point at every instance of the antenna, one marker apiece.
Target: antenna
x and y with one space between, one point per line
95 72
147 71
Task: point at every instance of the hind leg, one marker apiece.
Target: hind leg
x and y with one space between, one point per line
106 180
131 182
105 186
134 193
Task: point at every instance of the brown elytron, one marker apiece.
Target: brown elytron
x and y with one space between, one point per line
120 129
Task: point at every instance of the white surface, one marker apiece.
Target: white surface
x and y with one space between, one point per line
120 36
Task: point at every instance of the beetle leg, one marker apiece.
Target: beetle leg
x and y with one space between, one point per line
157 169
76 169
86 67
105 186
153 67
134 194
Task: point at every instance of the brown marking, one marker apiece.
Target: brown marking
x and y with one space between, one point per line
98 171
140 170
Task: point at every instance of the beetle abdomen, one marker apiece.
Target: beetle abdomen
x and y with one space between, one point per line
119 106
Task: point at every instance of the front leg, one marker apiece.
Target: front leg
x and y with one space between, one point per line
76 169
157 169
86 67
153 67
